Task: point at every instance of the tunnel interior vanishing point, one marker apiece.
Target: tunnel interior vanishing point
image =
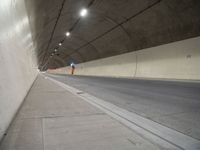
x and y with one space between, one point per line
100 75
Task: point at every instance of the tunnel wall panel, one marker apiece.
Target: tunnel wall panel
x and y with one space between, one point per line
17 59
177 60
122 65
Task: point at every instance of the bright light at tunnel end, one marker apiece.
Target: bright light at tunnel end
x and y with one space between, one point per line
83 12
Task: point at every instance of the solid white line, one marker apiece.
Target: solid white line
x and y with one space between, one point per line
164 136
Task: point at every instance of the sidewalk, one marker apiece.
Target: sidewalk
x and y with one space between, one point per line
52 118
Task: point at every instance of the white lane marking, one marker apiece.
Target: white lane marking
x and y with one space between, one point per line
155 132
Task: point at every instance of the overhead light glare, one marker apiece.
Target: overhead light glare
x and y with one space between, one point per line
68 33
83 12
55 50
60 44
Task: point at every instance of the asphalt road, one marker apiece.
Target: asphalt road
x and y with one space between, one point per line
173 104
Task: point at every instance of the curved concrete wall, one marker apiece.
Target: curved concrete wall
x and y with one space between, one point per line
17 59
178 60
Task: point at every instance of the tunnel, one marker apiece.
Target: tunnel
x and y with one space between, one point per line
100 75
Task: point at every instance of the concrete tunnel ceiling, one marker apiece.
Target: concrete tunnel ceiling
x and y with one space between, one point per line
111 27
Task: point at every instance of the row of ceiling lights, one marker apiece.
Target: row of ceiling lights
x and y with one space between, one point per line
83 13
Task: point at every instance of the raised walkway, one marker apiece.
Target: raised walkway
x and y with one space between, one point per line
51 118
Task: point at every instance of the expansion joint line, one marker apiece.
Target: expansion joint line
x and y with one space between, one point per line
136 64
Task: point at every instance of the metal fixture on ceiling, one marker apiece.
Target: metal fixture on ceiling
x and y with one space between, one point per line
83 12
67 33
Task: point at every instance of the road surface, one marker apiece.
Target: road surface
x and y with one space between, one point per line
172 104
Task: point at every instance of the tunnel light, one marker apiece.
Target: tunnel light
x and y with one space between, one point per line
67 34
60 44
83 12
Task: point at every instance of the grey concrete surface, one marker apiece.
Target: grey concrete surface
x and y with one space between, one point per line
52 118
173 104
155 132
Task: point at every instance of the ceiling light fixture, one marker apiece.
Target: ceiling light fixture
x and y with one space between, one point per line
60 44
83 12
68 33
55 50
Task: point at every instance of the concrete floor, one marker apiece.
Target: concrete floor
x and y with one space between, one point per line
172 104
53 119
